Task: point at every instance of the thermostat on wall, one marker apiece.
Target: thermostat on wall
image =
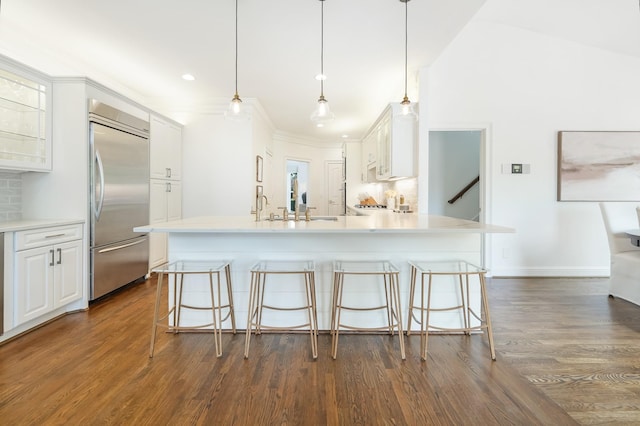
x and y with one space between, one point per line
516 168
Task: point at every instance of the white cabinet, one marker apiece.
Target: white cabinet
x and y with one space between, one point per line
47 270
25 121
383 147
165 204
394 139
369 148
165 149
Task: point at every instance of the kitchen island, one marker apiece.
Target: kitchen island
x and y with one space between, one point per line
397 238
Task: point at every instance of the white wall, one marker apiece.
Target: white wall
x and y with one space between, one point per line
219 161
218 170
526 87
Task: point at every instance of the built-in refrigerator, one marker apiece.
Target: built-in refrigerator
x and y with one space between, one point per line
119 198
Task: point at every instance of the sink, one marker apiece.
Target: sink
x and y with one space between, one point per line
278 218
327 218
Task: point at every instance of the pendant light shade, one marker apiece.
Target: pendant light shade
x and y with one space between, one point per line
407 108
236 112
322 114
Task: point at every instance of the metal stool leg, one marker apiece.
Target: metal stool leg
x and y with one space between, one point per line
217 323
486 314
156 312
227 271
425 328
412 281
338 287
395 303
253 300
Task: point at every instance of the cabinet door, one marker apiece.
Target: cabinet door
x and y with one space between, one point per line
383 167
402 147
34 283
25 128
174 148
158 152
157 249
67 273
158 213
174 201
165 147
158 190
368 157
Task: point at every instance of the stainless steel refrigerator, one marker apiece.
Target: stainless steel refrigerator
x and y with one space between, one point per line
119 198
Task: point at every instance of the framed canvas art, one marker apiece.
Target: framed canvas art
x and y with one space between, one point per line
598 166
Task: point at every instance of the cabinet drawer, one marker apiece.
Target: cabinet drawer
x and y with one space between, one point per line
47 236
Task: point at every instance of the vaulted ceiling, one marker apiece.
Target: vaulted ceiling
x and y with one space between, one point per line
145 46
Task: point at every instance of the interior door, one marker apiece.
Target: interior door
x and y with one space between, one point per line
335 188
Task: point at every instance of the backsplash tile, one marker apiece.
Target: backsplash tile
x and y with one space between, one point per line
10 196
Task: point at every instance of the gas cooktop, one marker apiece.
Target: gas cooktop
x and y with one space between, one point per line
370 206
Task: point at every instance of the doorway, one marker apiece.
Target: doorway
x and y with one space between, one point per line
297 185
454 173
336 188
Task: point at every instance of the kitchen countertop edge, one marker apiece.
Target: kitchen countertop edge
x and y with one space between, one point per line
27 224
401 223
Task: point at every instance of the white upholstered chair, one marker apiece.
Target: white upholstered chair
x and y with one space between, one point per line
624 280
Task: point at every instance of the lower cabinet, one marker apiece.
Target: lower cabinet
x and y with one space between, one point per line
165 205
48 270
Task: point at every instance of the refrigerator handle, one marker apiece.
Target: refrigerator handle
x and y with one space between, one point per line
107 250
98 208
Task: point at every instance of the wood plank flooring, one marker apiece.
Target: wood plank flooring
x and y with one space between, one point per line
566 353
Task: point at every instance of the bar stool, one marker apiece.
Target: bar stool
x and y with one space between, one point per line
171 320
259 273
389 274
453 268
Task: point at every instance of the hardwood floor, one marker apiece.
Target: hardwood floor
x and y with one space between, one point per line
566 354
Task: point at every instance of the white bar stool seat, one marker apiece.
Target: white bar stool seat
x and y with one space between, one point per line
389 274
259 273
171 319
460 271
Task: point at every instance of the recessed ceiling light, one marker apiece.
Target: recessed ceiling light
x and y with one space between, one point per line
188 77
345 136
321 77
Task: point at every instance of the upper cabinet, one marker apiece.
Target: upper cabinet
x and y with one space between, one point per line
165 150
394 138
25 121
369 149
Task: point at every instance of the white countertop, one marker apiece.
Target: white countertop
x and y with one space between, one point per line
23 225
388 223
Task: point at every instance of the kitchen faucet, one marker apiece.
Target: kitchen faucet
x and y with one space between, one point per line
259 205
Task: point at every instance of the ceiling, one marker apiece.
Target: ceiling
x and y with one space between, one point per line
144 46
147 45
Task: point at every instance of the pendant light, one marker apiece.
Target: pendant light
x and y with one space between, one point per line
407 108
322 114
235 111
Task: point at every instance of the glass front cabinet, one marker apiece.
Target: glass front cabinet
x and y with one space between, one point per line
25 122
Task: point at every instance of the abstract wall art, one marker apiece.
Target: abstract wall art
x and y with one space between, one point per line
598 166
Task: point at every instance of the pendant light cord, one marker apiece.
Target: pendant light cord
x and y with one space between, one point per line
322 49
406 44
236 47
